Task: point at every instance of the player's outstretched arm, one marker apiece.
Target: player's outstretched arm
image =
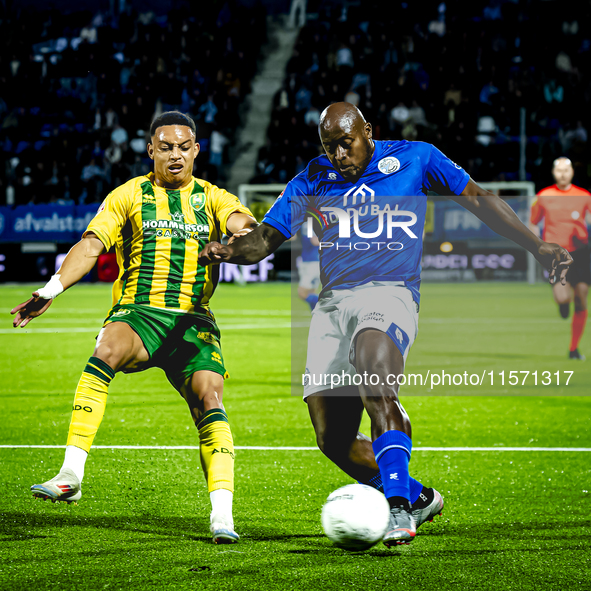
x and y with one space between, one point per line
247 250
78 262
240 224
498 216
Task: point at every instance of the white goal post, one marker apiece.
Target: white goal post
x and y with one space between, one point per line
250 194
246 192
527 189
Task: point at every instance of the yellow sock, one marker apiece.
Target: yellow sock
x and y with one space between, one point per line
217 450
89 403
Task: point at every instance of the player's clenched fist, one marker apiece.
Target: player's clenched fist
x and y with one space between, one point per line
556 259
213 253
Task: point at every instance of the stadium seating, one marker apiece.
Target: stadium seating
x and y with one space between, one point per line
452 74
80 89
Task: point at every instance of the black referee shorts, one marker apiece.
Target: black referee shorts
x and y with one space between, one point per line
580 269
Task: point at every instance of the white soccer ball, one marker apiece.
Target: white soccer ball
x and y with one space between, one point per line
355 517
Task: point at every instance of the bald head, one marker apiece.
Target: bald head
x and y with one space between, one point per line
346 138
563 172
562 161
343 116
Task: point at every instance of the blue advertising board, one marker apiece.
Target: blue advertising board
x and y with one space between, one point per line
45 223
453 222
66 223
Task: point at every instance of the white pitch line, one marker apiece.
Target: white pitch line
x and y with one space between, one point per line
249 312
511 321
96 329
295 448
217 311
225 327
56 330
577 449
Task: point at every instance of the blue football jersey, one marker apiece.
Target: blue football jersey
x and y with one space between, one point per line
372 230
309 251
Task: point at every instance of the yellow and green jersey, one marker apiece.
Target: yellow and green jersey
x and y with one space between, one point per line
157 235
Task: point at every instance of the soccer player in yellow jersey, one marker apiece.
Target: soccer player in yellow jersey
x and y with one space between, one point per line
160 317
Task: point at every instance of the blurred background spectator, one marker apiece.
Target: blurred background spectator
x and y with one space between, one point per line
453 74
80 89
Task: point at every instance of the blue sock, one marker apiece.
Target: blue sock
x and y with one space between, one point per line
374 482
312 300
415 490
415 486
392 451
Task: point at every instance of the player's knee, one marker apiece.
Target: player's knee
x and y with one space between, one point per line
112 353
119 346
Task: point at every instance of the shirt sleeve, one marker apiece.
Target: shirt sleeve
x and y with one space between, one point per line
537 212
442 176
111 216
224 205
288 212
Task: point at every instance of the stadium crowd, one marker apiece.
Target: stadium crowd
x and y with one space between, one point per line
449 73
80 90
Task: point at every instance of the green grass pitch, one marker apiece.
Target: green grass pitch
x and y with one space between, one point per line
513 519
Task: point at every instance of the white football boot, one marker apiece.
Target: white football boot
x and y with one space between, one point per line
402 528
435 507
65 487
222 529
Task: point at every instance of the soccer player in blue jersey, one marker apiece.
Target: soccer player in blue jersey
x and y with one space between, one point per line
368 199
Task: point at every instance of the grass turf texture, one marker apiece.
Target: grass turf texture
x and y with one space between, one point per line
513 520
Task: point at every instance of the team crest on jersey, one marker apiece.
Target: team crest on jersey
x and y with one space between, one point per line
207 337
332 176
389 165
197 201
